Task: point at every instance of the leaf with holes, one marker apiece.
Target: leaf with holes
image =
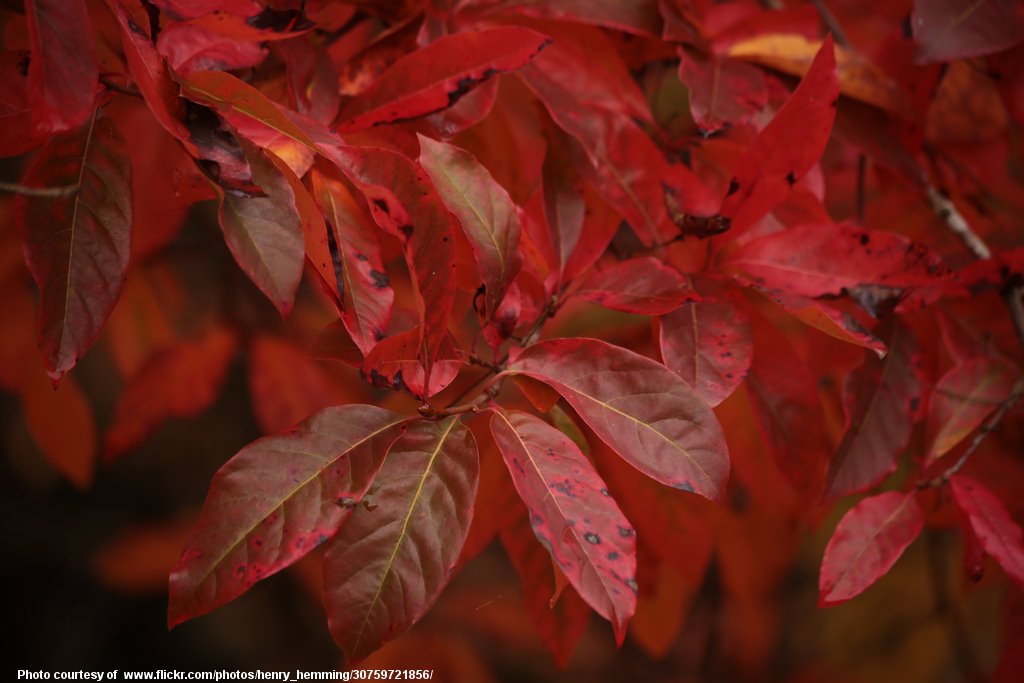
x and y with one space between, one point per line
572 514
77 245
638 407
994 529
866 544
276 500
395 554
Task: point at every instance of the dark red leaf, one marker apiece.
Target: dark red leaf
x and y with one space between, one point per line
180 382
709 345
561 624
264 233
817 260
61 422
945 30
77 245
405 203
866 544
723 92
642 285
393 557
634 16
999 535
788 147
276 500
190 47
638 407
394 364
962 399
62 74
488 216
880 398
17 134
358 273
572 514
438 75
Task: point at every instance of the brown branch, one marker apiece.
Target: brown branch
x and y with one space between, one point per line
832 23
45 192
955 221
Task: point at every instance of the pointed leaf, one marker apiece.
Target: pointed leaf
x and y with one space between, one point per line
438 75
788 147
276 500
62 424
62 74
77 246
866 544
709 345
723 92
997 533
945 30
572 513
638 407
488 216
961 401
362 282
395 555
641 285
560 625
182 381
880 398
264 233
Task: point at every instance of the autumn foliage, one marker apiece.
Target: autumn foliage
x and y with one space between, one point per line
680 302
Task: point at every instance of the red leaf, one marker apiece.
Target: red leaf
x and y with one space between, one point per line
62 74
189 47
77 245
945 30
394 364
286 385
295 491
264 233
488 216
999 535
641 285
961 401
17 135
357 270
391 560
633 16
709 345
61 423
788 147
572 514
560 625
403 202
438 75
638 407
866 544
819 260
880 398
312 79
723 92
181 382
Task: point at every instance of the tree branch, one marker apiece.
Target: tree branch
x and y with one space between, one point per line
955 221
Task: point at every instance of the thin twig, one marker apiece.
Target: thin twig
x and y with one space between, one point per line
128 88
955 221
862 167
832 23
45 192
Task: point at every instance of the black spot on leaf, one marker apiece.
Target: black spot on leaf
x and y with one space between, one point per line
380 280
791 178
592 538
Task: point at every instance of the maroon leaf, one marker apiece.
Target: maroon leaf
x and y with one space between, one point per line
394 364
709 345
945 30
438 75
182 381
880 397
190 47
560 624
634 16
264 233
961 401
866 544
276 500
405 203
788 147
488 216
642 285
998 534
641 409
62 74
286 385
395 555
723 92
17 135
572 514
818 260
77 245
358 273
